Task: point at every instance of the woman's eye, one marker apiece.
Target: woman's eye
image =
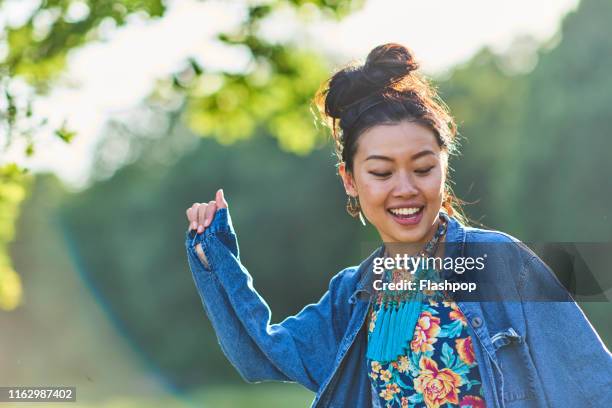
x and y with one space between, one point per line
424 171
380 174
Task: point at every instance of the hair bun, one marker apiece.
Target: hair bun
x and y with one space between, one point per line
388 63
384 66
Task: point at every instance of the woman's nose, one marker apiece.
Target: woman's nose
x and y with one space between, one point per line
405 186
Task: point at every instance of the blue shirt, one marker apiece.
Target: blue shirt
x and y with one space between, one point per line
533 345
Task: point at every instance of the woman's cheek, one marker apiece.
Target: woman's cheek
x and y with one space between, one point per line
436 185
373 196
378 195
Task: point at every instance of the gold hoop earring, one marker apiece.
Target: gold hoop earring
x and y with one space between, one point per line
354 209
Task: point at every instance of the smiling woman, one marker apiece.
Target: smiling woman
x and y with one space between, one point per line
363 347
393 137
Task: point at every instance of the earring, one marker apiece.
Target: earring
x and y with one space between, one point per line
361 218
354 208
447 204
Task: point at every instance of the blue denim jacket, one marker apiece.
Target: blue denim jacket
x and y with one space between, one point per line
530 353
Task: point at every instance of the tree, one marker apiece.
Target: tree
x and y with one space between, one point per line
274 91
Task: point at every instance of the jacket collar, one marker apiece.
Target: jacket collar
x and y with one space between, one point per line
455 236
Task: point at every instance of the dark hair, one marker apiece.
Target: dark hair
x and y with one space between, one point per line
384 90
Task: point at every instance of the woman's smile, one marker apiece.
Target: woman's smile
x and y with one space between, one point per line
407 215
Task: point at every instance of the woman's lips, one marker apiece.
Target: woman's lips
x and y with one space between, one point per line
408 219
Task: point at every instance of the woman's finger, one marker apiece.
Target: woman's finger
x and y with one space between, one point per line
210 213
192 216
220 199
201 217
188 213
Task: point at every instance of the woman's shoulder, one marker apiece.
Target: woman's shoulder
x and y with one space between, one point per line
476 234
355 277
346 280
498 241
509 256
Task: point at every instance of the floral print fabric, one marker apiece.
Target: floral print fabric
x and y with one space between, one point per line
439 368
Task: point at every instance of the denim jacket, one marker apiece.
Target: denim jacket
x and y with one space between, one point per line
529 353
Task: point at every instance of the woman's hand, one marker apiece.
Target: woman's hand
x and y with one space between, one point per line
200 216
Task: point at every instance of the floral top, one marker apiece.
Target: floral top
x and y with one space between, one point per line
439 369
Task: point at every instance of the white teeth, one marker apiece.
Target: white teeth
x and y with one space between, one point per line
405 211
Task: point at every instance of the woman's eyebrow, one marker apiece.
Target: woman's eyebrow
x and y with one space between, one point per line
414 156
379 157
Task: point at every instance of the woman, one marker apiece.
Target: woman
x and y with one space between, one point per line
520 342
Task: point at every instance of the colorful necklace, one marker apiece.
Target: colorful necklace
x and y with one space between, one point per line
400 309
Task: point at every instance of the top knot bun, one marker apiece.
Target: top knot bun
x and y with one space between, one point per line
385 66
388 63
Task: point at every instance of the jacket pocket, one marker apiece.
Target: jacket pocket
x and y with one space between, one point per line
516 370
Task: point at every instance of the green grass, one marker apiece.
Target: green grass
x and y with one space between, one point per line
256 395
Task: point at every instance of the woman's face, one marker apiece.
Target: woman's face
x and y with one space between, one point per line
399 173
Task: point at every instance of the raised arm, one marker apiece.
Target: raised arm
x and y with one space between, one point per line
301 348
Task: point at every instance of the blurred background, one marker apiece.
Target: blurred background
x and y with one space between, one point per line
117 115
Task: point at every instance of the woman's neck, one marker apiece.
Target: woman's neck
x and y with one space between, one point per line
411 249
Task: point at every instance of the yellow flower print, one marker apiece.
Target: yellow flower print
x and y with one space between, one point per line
386 394
375 366
403 364
393 388
389 391
385 375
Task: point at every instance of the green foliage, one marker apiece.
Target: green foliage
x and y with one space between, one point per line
13 189
564 140
488 105
37 51
65 134
38 48
536 145
275 94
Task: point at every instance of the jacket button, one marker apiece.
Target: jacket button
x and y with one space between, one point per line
476 321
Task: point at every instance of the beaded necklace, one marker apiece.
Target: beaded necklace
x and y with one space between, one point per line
400 309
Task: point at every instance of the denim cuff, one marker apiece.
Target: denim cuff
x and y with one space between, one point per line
221 222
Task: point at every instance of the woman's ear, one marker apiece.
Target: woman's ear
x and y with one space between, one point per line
347 180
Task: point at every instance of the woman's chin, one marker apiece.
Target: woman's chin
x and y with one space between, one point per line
404 237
